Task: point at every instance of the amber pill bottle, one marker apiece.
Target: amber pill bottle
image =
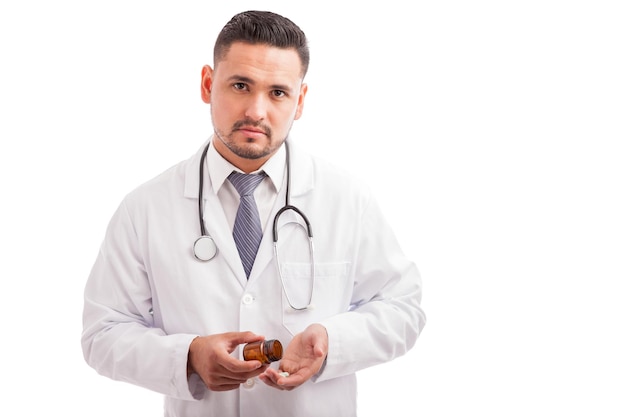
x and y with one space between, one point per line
266 351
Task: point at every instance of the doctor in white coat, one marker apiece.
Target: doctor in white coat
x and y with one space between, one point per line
158 317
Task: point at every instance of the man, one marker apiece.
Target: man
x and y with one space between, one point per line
172 319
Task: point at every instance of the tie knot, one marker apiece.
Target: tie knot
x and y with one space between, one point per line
245 184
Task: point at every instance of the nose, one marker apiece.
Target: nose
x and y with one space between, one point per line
257 107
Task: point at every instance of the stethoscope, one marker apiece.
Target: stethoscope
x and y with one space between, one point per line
205 249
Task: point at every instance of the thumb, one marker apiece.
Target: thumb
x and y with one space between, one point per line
319 349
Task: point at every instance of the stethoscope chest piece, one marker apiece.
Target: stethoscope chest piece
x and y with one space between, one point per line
204 248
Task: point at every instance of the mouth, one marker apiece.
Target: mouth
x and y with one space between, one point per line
252 132
251 129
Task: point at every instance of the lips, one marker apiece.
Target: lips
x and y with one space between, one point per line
252 129
252 132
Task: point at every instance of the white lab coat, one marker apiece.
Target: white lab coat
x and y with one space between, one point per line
147 296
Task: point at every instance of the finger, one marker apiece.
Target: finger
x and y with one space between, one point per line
224 380
234 339
246 337
217 382
271 381
285 380
224 387
294 380
268 380
319 348
237 369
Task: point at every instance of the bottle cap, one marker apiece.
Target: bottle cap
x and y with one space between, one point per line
273 349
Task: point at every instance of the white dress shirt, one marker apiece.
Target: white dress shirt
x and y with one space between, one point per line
265 194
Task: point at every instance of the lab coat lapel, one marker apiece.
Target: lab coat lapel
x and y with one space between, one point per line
214 218
217 227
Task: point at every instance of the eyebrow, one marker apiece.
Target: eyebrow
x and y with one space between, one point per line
247 80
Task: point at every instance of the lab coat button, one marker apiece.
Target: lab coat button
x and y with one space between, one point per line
249 383
247 299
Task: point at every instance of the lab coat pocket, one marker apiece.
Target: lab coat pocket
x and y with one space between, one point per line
328 292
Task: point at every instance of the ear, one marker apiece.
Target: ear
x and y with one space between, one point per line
205 84
303 89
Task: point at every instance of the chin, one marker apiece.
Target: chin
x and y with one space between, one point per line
251 149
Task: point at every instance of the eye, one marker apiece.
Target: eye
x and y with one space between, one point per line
239 86
279 93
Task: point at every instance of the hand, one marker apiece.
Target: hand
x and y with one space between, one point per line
210 357
302 359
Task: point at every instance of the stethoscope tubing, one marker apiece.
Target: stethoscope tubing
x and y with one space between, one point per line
201 191
205 249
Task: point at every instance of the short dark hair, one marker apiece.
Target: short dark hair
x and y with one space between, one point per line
260 27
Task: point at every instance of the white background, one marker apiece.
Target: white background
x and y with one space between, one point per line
504 120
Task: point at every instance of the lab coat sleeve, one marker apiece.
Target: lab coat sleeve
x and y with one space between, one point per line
119 340
385 318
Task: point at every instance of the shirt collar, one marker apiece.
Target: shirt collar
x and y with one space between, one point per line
220 168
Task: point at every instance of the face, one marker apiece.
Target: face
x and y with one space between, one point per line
255 92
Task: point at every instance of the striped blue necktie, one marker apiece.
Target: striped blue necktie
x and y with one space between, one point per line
247 231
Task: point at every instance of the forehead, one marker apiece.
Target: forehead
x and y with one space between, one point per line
261 63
